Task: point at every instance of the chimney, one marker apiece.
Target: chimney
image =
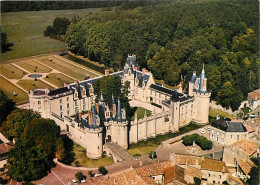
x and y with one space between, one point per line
76 82
97 107
143 71
66 85
79 116
106 72
114 110
90 117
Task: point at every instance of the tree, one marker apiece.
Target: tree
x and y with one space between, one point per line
197 180
5 45
254 172
26 163
79 175
102 170
6 106
13 127
49 32
60 25
152 155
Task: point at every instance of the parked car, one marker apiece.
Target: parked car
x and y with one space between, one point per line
201 131
83 181
74 182
208 128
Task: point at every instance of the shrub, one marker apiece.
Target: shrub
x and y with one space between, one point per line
102 170
12 71
152 155
36 67
35 79
197 180
34 70
202 141
58 78
91 173
79 175
47 76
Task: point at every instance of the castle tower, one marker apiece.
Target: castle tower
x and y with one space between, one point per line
192 83
201 100
119 128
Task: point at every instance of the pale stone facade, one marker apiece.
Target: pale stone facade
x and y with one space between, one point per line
104 123
227 132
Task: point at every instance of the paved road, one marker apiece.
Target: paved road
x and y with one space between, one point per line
119 152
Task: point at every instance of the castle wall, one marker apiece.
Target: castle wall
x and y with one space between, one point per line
90 139
150 127
119 133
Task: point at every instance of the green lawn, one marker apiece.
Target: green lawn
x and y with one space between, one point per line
9 88
11 72
142 150
25 30
215 112
33 67
31 84
80 156
65 67
58 79
140 113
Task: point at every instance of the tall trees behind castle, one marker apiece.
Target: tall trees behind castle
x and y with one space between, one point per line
176 39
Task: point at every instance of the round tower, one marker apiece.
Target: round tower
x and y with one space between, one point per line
94 142
201 100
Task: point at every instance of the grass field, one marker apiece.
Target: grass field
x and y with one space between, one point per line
25 30
215 112
9 88
33 67
140 113
58 79
31 84
142 150
64 67
80 156
11 72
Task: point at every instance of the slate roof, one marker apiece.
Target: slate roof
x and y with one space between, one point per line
175 96
141 78
58 91
229 126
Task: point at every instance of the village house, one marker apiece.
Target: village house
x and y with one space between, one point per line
254 99
228 132
240 150
210 171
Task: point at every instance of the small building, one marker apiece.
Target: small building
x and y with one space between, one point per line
245 165
208 170
240 150
254 99
228 132
5 147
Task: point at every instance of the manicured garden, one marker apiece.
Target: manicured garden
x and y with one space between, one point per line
58 79
33 67
32 84
11 72
65 67
82 160
9 88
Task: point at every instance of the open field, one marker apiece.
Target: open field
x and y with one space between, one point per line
33 67
58 79
9 88
64 67
32 84
11 72
142 150
80 156
25 30
215 112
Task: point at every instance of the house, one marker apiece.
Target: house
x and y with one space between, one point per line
240 150
208 170
5 147
245 165
228 132
254 99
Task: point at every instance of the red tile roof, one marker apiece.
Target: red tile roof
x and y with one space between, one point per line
5 148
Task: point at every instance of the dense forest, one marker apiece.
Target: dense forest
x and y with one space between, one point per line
17 6
173 40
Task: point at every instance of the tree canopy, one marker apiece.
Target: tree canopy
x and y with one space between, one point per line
37 142
5 45
6 106
175 39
